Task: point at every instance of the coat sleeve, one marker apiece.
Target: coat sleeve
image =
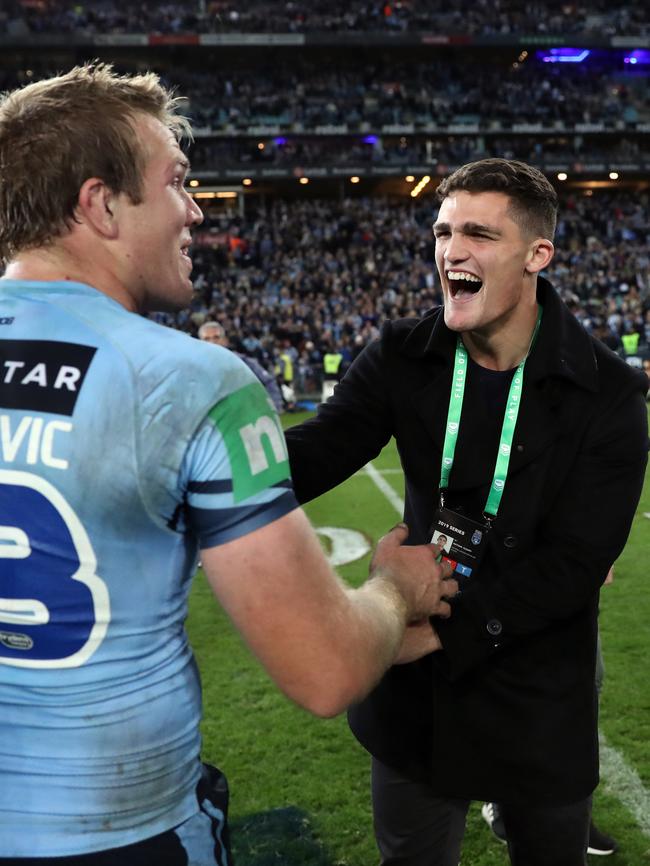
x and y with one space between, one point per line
350 429
575 543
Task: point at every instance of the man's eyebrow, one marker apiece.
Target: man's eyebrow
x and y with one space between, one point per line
469 228
183 161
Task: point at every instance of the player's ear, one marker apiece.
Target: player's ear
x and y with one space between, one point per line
96 207
540 253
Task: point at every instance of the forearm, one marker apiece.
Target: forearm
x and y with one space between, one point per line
324 644
333 658
320 641
397 635
379 612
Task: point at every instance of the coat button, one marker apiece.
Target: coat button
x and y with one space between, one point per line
510 541
494 627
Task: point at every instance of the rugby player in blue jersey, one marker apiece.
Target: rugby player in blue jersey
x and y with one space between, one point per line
125 449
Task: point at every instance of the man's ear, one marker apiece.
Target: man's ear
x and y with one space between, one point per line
540 253
96 208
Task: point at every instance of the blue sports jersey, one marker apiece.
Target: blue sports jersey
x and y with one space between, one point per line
124 447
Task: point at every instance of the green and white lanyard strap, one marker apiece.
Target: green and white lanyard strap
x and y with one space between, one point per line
507 429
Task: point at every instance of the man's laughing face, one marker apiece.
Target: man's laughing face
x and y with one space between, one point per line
482 256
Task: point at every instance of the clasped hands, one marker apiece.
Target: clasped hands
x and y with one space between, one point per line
424 582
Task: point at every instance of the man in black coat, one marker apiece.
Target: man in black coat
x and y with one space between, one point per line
525 440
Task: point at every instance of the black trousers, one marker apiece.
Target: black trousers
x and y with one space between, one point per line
162 850
413 827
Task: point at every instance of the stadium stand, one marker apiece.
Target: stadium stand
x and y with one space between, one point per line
293 16
322 130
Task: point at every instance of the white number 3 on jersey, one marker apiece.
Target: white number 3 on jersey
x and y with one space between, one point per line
54 609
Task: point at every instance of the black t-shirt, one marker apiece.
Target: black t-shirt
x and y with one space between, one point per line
486 391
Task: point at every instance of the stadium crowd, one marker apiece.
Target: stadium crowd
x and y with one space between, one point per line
382 91
402 151
440 91
476 17
303 99
300 278
296 279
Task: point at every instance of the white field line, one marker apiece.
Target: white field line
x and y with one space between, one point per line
394 498
624 783
618 779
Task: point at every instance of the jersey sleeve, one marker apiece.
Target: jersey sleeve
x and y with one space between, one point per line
235 473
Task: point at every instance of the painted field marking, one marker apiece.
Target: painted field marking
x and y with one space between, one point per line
624 783
619 779
347 545
394 498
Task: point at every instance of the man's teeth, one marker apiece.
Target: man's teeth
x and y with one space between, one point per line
458 290
462 275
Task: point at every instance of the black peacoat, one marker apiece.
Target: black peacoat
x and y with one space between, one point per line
507 711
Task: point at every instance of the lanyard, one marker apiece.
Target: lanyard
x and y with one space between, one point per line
507 429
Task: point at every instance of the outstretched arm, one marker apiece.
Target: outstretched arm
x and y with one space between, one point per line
324 644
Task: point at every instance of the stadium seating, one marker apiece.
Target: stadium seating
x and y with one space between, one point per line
276 16
317 124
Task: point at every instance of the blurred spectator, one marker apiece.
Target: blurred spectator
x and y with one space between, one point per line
212 332
284 372
332 370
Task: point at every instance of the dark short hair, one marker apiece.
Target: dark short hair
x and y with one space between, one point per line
533 201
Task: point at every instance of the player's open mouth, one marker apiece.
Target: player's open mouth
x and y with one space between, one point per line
185 252
462 284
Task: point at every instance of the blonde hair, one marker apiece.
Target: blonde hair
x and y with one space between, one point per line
57 133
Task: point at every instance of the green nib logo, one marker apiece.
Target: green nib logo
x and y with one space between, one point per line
254 440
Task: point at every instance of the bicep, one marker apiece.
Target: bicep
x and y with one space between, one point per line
279 591
269 570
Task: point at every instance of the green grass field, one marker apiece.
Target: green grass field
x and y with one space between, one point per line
300 786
